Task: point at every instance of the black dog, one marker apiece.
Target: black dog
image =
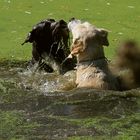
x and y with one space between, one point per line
50 38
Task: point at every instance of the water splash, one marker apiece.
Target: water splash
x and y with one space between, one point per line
46 82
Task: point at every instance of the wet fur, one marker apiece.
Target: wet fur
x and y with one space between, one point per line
92 66
50 38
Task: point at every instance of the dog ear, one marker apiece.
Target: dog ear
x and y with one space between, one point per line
102 37
56 33
56 29
47 25
61 33
64 32
58 26
77 47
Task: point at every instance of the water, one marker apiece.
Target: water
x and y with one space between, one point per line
46 82
38 105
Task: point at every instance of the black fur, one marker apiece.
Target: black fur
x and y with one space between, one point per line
50 38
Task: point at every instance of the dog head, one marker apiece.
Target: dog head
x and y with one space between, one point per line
39 31
88 39
60 31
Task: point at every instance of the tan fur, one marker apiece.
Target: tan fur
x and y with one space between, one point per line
92 66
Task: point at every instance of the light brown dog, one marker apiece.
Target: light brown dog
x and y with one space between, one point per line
92 66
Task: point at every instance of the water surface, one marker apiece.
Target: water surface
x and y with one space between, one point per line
42 106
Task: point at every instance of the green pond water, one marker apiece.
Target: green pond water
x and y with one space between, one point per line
42 106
